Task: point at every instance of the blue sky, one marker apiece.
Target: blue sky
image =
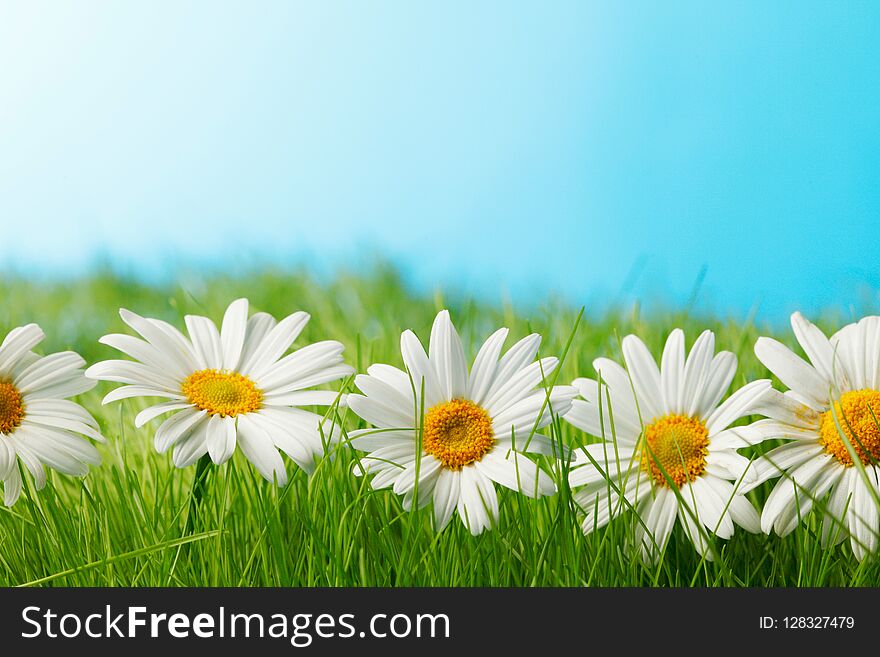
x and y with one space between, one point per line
592 150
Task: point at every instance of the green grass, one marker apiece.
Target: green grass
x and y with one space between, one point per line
125 523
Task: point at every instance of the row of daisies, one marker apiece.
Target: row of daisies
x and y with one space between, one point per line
667 446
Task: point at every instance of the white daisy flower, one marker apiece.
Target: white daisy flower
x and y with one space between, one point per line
38 424
838 390
476 425
664 419
228 387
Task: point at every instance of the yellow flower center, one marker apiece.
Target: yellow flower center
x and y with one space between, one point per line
222 393
679 444
457 433
858 414
11 407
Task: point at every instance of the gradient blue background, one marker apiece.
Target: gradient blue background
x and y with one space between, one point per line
601 151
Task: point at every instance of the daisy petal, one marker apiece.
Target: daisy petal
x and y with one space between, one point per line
645 376
206 341
232 332
472 508
517 473
274 344
257 446
12 487
723 369
175 427
792 370
517 357
420 369
164 337
18 342
221 438
739 404
446 494
8 460
697 370
447 355
159 409
485 364
816 345
48 370
672 372
863 518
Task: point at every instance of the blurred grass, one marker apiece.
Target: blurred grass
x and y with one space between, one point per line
124 523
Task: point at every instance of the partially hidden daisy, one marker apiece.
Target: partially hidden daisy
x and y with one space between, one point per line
835 394
38 424
229 387
667 446
475 429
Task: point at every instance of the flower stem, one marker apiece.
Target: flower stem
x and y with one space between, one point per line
198 492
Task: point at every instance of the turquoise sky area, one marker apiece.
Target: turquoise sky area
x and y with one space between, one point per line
601 151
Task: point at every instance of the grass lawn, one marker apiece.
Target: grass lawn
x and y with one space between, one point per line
125 524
